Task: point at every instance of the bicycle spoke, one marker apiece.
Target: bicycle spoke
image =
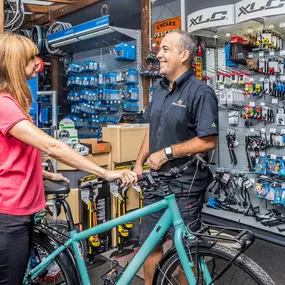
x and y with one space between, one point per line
232 278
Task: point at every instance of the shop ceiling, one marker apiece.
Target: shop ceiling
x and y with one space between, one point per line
123 13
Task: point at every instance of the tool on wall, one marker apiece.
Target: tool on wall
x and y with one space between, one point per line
232 143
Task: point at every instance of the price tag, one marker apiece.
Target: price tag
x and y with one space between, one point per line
251 104
272 131
273 156
251 79
250 55
274 101
272 53
261 79
221 86
262 153
283 184
282 52
261 54
263 130
250 30
282 25
252 130
262 104
282 77
282 131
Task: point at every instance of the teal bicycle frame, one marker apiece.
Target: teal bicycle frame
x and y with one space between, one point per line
170 217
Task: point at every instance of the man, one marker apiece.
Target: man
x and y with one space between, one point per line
183 117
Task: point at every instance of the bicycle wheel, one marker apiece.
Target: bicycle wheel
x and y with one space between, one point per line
243 271
62 271
61 234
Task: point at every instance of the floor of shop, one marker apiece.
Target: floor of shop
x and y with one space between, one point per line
269 256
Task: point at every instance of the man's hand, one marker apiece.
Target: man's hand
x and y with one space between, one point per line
157 159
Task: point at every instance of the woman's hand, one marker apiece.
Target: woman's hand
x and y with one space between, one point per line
57 177
127 177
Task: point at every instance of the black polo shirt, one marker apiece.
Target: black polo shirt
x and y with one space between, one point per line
189 110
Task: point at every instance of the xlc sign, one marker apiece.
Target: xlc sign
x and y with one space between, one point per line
217 16
231 14
249 9
211 17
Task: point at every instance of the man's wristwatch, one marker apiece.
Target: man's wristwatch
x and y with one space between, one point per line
168 152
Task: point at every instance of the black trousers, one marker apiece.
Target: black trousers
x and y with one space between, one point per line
15 246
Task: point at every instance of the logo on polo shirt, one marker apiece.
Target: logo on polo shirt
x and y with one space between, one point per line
179 103
214 125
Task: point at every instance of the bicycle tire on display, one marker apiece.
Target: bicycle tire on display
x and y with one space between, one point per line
171 261
63 260
62 227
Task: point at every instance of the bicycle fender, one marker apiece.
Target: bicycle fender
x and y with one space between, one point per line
53 240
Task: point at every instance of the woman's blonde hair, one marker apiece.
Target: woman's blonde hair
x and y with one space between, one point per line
16 52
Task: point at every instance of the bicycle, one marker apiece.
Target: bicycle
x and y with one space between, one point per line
199 255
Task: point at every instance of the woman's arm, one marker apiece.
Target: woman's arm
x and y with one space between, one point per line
54 176
28 133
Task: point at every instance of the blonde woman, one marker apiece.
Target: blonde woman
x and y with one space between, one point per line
21 144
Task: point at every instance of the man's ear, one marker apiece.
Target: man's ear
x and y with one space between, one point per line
185 55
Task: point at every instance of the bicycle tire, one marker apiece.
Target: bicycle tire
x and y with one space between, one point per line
62 226
243 262
63 260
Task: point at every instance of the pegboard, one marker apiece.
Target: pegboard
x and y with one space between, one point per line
222 158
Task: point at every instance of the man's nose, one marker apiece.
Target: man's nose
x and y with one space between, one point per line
159 55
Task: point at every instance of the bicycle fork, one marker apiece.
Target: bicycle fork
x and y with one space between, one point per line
186 262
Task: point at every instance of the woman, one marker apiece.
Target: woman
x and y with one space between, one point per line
21 144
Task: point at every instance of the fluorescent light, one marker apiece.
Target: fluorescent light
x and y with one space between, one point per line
70 41
96 34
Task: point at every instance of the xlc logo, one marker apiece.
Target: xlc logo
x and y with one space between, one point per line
251 8
217 16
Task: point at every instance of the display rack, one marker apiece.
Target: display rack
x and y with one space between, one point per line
236 97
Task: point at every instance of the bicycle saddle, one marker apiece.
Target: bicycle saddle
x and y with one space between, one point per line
56 187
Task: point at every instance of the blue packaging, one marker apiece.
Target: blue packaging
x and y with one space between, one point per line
125 51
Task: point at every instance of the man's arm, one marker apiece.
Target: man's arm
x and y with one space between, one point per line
195 145
143 154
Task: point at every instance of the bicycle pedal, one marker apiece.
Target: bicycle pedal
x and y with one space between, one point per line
111 276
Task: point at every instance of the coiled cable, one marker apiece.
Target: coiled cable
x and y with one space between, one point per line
54 28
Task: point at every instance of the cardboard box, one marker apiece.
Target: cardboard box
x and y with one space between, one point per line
125 141
95 146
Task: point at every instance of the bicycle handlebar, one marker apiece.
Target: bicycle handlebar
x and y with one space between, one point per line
153 177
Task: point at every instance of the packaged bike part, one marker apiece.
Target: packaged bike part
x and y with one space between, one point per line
278 195
260 165
280 117
270 193
261 190
252 64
